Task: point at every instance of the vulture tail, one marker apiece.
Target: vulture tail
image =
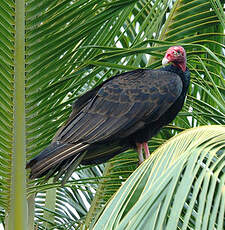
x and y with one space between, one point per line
56 157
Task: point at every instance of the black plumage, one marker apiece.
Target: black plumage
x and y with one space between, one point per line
122 112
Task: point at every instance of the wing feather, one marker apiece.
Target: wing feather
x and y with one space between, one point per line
128 100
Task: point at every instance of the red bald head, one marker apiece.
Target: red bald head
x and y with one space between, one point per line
177 56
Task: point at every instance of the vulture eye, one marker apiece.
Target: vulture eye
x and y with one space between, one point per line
177 53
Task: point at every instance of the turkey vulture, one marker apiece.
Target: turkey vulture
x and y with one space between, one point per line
123 112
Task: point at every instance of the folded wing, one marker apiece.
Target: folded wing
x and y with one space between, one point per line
111 112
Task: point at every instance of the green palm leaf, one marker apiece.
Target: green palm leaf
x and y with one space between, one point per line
179 186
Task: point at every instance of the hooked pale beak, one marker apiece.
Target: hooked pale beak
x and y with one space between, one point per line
165 61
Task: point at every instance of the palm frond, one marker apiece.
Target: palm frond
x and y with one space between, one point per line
179 186
6 101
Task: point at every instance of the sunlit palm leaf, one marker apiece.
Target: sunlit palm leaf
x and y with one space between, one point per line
180 186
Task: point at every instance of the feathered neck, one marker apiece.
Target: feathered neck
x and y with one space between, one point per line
185 76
